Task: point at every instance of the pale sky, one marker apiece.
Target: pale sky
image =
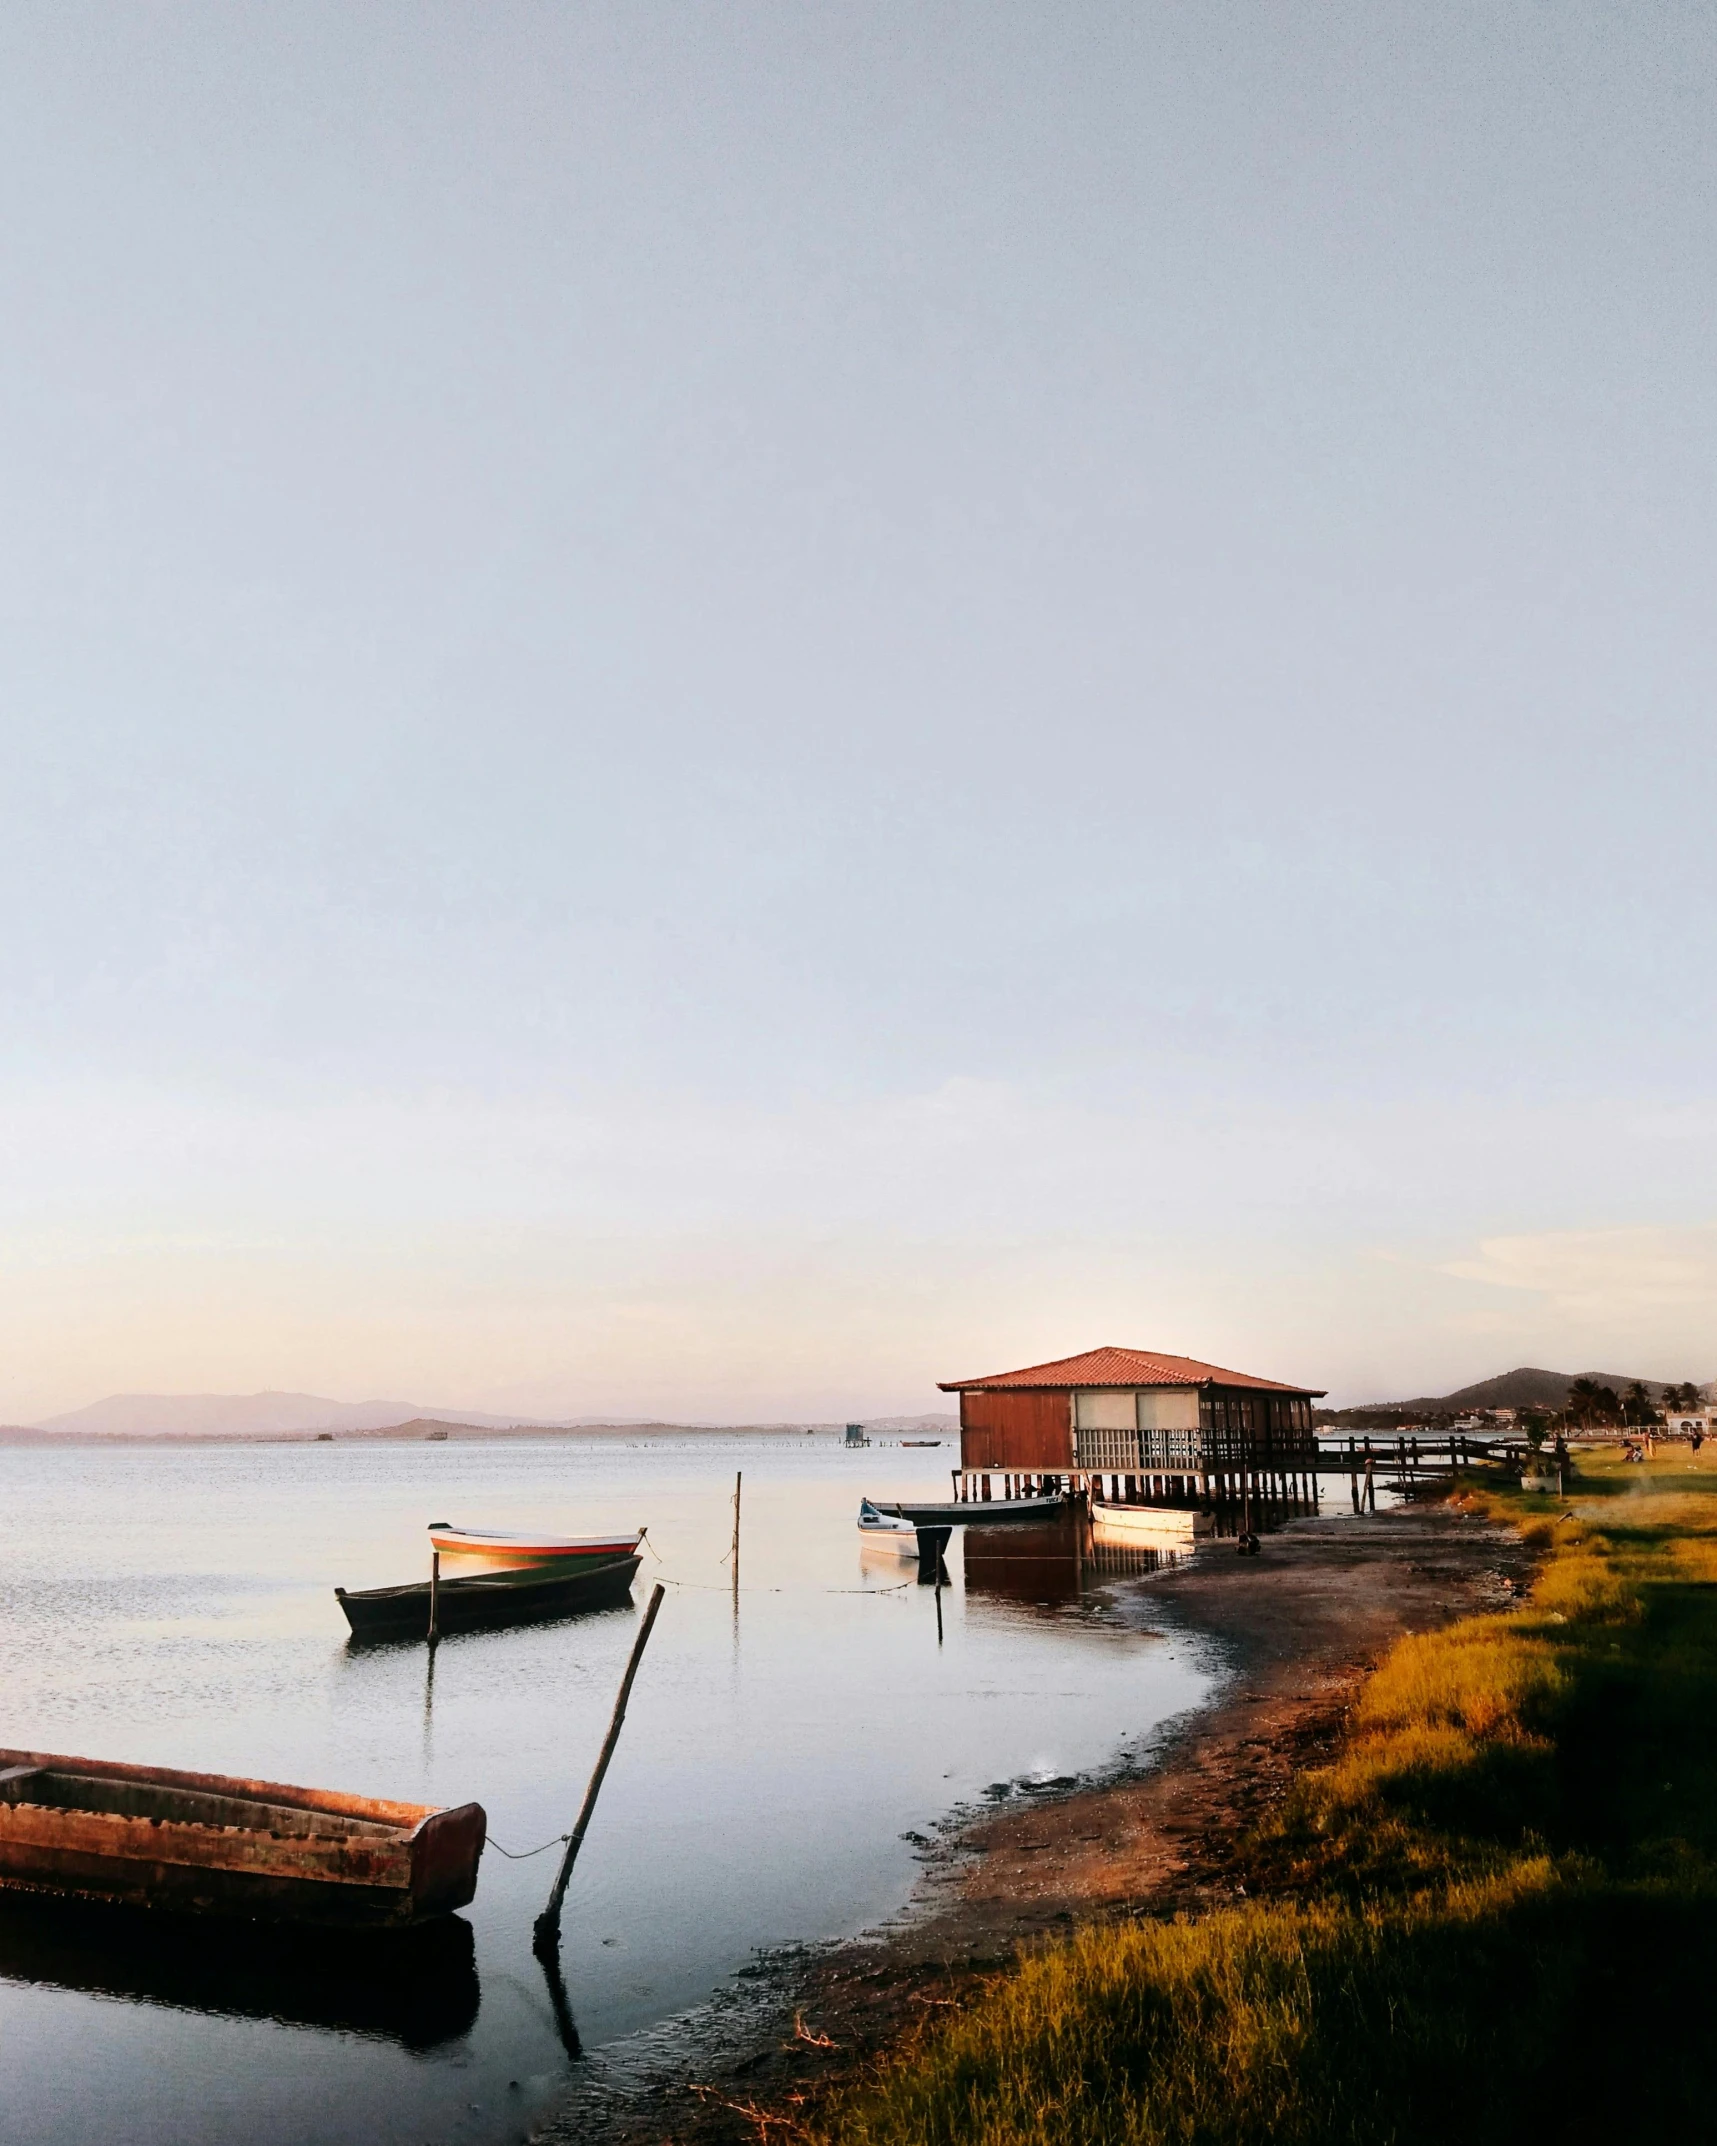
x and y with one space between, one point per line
719 710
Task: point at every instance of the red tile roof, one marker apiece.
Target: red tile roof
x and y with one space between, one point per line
1124 1367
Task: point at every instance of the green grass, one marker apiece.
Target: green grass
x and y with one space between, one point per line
1493 1917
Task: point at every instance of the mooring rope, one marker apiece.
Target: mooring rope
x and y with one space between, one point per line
715 1587
523 1855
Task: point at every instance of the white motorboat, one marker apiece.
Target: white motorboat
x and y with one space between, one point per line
887 1532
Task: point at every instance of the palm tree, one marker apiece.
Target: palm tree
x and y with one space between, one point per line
1582 1401
1636 1404
1590 1403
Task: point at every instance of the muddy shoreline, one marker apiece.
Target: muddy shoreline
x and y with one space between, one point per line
1300 1626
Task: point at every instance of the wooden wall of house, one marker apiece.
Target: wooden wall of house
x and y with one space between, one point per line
1016 1432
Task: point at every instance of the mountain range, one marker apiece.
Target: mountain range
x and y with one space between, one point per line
282 1415
252 1415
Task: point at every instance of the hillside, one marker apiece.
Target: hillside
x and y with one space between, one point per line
1522 1388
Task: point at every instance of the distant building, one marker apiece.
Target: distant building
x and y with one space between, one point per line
1132 1412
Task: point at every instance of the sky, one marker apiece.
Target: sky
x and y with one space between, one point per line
715 711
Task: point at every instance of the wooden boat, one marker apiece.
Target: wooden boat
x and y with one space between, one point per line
976 1513
206 1844
1150 1526
466 1550
921 1441
486 1600
886 1532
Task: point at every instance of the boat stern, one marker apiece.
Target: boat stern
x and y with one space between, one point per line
445 1852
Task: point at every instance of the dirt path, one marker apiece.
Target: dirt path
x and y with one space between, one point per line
1301 1625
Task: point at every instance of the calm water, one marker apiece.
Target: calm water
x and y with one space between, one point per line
176 1606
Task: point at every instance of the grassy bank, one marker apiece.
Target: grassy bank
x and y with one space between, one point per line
1491 1918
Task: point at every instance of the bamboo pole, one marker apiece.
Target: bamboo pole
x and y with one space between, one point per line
434 1596
546 1933
739 1477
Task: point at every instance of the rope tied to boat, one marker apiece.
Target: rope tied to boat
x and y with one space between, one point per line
523 1855
721 1587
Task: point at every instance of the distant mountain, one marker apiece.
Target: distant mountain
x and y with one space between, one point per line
280 1415
1524 1388
253 1415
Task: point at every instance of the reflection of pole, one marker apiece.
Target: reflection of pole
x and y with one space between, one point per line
565 2025
547 1931
429 1703
434 1596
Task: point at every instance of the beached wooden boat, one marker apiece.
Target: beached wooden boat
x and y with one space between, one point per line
486 1600
207 1844
471 1550
1150 1525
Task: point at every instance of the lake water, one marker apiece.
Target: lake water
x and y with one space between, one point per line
176 1606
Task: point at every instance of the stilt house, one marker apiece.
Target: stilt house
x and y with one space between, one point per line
1132 1413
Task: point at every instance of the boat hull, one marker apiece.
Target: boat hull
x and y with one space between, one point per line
486 1602
890 1542
465 1552
211 1844
975 1513
1150 1524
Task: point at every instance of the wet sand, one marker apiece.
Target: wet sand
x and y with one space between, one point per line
1301 1624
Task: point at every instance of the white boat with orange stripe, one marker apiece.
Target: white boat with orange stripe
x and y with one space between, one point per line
471 1550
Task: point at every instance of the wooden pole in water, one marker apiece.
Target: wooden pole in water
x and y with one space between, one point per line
739 1477
546 1933
434 1596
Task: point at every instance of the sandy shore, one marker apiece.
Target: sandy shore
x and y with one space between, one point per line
1300 1625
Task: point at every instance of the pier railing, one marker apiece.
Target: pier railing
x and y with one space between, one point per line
1178 1452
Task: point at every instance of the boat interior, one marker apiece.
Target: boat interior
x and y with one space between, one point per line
44 1785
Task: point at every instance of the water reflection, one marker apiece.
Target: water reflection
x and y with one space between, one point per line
1052 1565
1041 1565
417 1988
564 2024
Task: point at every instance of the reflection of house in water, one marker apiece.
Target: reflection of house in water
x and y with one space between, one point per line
1049 1567
1134 1424
1026 1564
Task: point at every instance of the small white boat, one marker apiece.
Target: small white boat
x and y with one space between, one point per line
886 1531
465 1550
1150 1525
